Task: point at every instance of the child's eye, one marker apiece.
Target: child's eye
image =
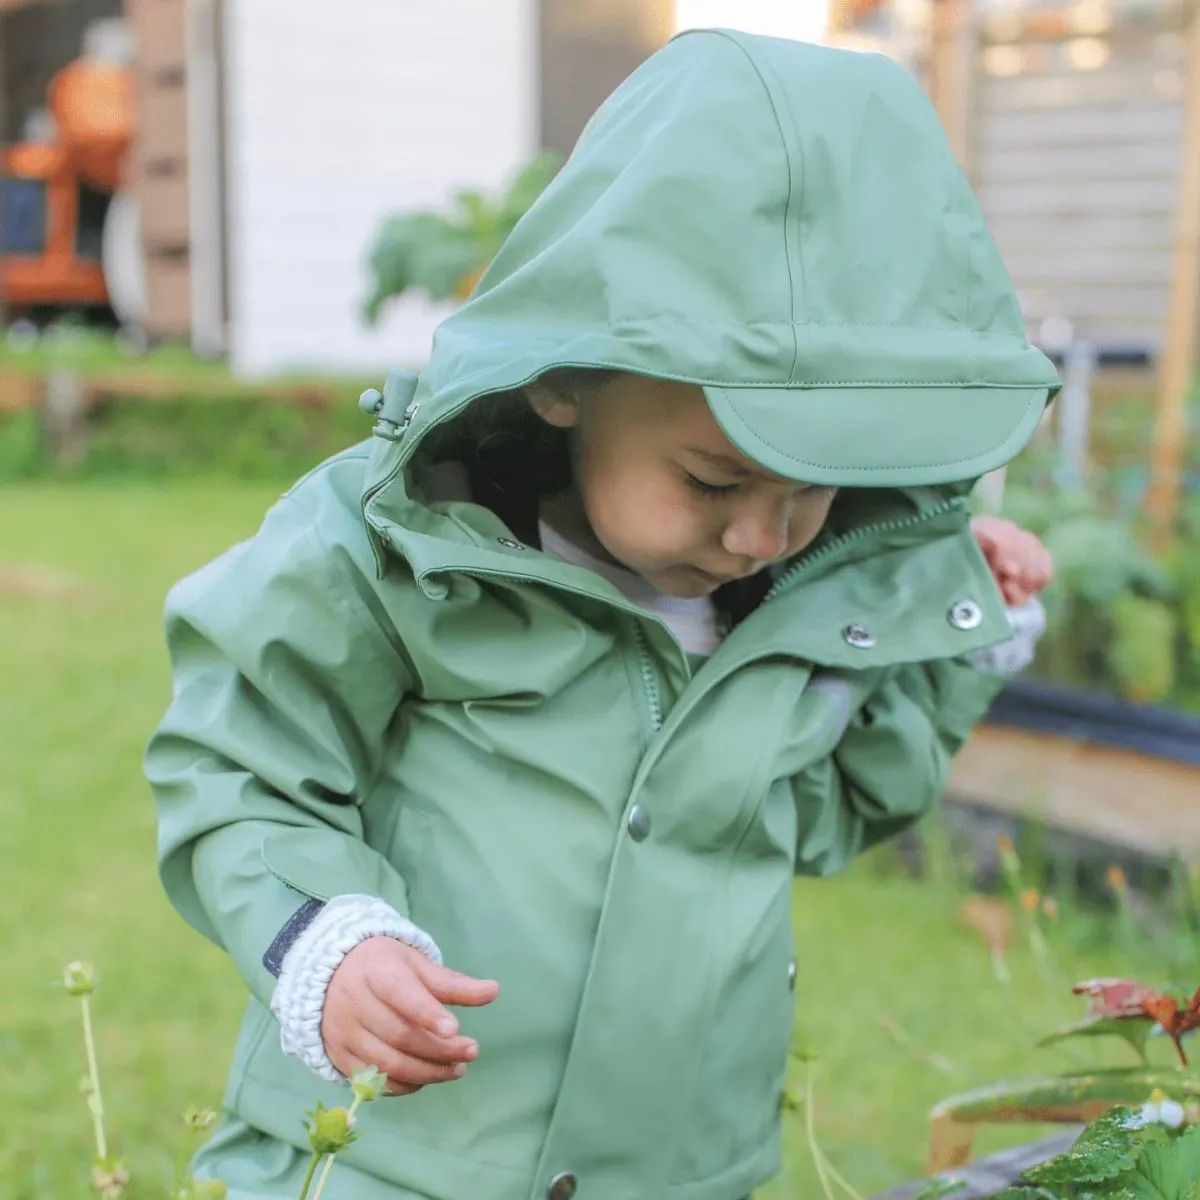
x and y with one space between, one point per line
708 489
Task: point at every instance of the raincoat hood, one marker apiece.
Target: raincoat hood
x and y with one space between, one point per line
785 225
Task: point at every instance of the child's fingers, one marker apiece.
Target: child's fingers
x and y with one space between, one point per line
403 1070
407 994
394 1030
452 987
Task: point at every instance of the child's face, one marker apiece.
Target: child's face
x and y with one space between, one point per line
665 493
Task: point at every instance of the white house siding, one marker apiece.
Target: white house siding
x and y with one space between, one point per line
339 114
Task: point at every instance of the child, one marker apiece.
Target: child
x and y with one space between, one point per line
654 589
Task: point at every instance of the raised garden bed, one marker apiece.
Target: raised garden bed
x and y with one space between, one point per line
994 1173
1118 774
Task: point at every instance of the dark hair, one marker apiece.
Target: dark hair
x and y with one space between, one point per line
514 458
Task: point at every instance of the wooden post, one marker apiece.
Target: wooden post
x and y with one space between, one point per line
952 56
1179 344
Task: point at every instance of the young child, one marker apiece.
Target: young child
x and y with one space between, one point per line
653 590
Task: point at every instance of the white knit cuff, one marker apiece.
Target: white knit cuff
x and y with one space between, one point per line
308 966
1028 623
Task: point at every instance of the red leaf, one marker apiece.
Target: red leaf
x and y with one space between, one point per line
1123 999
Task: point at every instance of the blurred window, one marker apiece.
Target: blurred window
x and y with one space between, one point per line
22 216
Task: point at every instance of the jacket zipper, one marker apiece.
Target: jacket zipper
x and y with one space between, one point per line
649 679
790 577
815 557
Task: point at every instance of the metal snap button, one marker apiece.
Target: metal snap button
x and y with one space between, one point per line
563 1186
509 544
638 823
859 636
965 615
792 975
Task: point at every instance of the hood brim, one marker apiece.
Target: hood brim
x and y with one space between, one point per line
830 436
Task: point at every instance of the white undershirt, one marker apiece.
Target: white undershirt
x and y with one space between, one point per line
694 622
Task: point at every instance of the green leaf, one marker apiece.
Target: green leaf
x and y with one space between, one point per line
1105 1149
1166 1170
1133 1030
1027 1193
940 1188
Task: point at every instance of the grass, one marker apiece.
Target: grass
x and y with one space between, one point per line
83 571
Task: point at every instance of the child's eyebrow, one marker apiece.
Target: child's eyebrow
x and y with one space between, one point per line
723 462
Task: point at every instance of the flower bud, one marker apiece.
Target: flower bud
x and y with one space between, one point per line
368 1084
110 1178
330 1129
79 978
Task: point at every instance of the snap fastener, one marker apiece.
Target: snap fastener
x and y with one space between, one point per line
859 636
792 975
509 544
638 823
563 1186
965 615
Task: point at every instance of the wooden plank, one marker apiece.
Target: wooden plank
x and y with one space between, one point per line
1179 336
163 209
1073 89
1098 160
1099 233
162 125
1147 804
1142 122
168 286
158 26
1059 265
1081 302
990 1175
1067 196
18 393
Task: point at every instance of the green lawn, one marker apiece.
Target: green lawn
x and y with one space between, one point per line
83 570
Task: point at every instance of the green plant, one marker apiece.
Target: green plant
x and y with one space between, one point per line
1116 620
443 254
110 1176
330 1130
1126 1154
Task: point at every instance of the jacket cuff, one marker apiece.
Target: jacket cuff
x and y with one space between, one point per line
1028 622
308 965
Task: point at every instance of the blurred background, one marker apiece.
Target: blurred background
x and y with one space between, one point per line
221 219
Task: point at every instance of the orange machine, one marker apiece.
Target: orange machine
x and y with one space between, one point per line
54 195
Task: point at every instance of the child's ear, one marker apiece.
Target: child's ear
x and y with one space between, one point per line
555 407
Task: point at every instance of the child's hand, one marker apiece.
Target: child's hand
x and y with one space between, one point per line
1021 564
384 1009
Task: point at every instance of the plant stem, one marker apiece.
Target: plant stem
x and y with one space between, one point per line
840 1179
182 1158
95 1101
308 1178
811 1133
329 1159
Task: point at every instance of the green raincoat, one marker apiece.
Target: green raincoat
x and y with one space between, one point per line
385 694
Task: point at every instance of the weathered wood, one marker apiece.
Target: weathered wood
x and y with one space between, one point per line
1068 196
1069 126
1133 800
995 1172
1179 338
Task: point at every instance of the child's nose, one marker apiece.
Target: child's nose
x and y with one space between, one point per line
761 536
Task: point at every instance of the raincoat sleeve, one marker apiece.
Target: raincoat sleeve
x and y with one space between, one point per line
284 685
899 732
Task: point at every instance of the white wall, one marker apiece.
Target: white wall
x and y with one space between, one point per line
339 114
